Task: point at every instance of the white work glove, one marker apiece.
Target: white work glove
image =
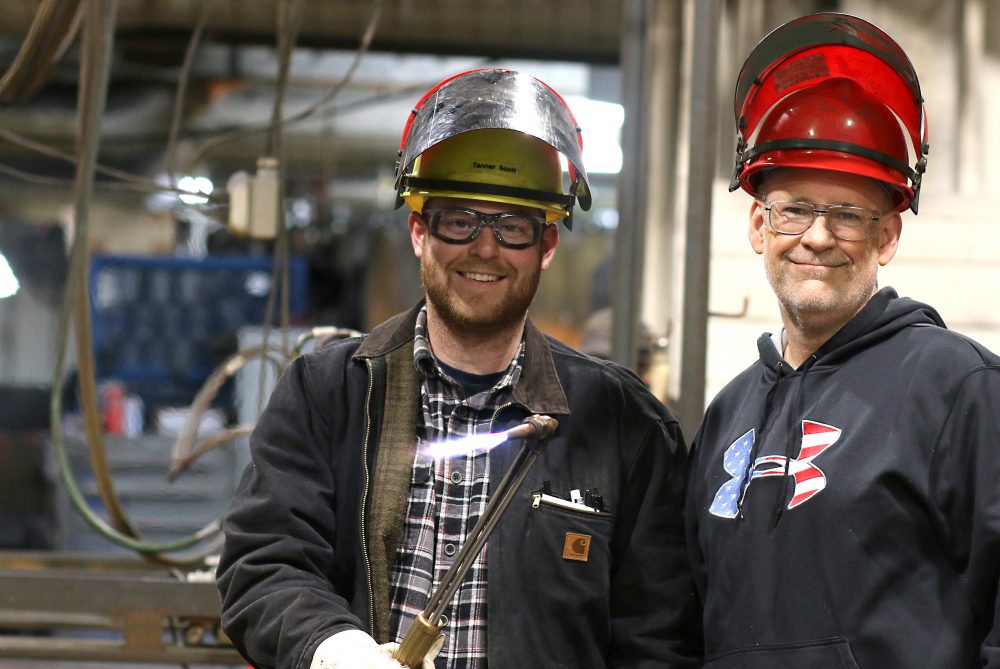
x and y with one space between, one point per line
428 663
353 649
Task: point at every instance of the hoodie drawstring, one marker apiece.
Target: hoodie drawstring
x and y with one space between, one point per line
759 441
794 430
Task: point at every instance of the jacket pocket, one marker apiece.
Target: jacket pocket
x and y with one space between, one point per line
561 587
571 545
833 653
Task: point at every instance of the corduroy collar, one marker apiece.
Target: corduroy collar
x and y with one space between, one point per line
538 389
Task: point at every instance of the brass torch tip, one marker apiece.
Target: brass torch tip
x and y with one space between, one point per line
545 426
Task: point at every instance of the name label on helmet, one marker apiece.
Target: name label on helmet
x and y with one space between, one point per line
493 166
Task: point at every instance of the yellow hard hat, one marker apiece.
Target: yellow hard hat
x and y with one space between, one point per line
496 135
526 170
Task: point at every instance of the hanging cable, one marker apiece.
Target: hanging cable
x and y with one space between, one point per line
181 97
98 39
289 22
140 183
366 40
50 35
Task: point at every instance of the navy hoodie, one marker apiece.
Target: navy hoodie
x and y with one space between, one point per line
847 513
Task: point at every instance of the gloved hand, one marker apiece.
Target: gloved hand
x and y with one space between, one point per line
352 649
428 663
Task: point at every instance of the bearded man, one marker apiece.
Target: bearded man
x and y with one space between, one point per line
343 524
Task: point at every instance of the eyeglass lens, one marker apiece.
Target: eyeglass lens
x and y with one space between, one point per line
845 222
462 226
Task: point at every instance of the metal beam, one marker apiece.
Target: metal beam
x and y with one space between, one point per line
698 218
579 30
630 235
85 609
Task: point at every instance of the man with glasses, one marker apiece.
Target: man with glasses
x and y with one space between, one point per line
843 504
344 524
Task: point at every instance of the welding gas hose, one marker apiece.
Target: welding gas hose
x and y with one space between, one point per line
185 453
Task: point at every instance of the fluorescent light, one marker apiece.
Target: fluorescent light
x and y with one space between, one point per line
9 284
601 125
195 185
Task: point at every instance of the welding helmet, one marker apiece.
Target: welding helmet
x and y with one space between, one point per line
493 135
833 92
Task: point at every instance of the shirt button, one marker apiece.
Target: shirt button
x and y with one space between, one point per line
449 549
456 476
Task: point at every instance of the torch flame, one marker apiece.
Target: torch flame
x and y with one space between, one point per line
449 448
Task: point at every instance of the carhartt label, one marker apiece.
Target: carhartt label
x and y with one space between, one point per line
576 547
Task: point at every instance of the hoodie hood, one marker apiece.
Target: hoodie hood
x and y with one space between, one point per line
885 314
838 511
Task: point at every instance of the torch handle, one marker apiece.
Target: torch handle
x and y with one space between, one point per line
426 627
418 640
476 539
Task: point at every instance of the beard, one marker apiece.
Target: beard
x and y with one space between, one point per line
481 317
802 302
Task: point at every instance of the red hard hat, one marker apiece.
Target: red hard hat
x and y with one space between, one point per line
833 92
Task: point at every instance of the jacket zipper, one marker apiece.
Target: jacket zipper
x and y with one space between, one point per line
364 496
496 412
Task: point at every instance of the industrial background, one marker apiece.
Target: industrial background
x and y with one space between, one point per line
129 130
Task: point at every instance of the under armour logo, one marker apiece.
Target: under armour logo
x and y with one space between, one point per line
809 479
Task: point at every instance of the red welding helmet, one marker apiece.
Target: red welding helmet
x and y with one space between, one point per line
831 91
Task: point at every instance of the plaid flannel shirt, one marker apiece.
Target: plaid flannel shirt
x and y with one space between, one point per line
447 497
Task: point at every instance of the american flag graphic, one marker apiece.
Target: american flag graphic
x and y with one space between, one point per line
809 479
727 501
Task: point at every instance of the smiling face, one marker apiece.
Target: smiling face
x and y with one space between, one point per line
479 288
820 281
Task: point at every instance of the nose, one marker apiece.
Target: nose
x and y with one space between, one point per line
819 235
485 245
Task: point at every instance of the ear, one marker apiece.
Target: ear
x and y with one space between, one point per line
418 233
550 239
888 237
757 232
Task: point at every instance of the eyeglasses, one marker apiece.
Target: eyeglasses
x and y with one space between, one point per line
850 224
513 230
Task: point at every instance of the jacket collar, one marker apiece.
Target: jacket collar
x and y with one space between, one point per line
538 389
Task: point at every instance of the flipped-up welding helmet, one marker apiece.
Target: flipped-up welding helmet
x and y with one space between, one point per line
834 92
493 135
